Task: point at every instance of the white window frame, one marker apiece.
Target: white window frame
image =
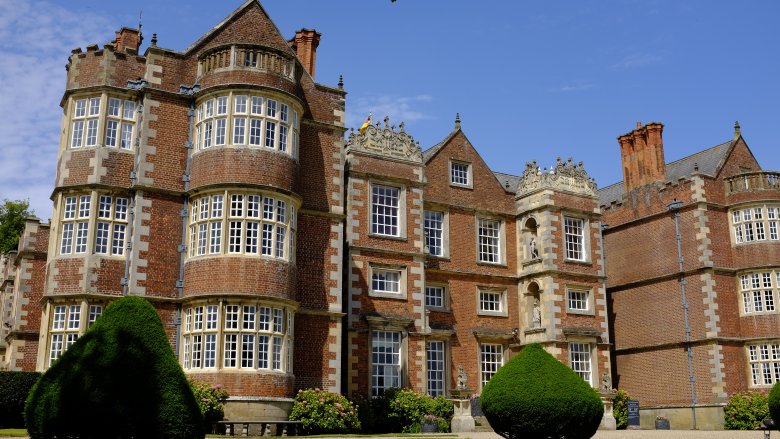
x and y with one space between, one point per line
436 367
759 292
382 210
386 361
486 306
490 235
376 270
763 362
441 303
582 299
574 243
756 223
458 174
436 237
581 360
491 358
67 323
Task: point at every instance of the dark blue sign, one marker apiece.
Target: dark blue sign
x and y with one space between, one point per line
633 413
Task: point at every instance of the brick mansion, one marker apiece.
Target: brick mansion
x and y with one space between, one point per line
284 251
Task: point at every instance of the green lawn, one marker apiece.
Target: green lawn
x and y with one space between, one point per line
13 432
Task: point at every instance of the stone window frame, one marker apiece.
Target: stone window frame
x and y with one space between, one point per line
752 285
265 117
574 363
585 245
376 390
453 163
400 215
445 291
80 114
502 302
402 279
497 349
445 232
500 254
755 223
205 222
589 300
445 367
79 217
270 321
64 331
762 364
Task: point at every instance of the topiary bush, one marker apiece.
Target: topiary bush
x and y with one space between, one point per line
536 396
774 402
120 380
322 412
620 409
745 411
14 388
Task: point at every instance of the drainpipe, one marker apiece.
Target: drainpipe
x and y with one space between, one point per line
674 206
139 86
190 92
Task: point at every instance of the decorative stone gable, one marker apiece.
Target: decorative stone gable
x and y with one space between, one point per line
565 176
385 142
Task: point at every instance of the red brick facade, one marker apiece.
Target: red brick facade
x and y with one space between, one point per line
218 183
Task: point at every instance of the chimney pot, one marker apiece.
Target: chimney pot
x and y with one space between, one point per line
305 46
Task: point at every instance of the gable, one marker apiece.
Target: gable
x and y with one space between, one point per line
484 191
739 160
249 24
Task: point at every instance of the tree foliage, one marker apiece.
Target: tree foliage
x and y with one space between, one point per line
536 396
12 217
120 380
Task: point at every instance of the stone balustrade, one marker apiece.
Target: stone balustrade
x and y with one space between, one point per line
753 181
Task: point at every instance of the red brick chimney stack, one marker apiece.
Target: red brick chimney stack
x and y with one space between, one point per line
305 46
127 38
642 154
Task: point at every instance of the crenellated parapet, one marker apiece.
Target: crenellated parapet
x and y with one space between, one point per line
565 176
385 141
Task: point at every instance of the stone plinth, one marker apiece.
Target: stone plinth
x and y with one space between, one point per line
608 421
462 421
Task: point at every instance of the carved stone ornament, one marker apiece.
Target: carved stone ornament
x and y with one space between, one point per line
565 176
386 141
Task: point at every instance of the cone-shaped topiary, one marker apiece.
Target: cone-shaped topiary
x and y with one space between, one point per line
119 380
774 403
536 396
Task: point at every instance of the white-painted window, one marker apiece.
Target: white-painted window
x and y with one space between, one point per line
460 174
489 240
436 367
385 215
764 361
491 358
579 355
385 361
759 291
434 232
574 238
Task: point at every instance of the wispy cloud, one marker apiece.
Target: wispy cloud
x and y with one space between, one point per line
637 59
35 41
578 85
399 108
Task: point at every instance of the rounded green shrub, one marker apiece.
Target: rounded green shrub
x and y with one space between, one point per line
120 380
774 402
745 411
14 388
536 396
323 412
620 408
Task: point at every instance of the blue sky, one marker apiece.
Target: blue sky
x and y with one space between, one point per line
531 80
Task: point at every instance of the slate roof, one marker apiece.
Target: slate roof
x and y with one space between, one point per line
709 162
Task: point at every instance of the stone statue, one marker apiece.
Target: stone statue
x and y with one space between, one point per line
606 381
534 251
461 378
537 315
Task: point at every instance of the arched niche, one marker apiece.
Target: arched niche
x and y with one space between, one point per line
531 245
533 305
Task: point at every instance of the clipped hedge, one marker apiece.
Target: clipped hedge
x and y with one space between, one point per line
536 396
745 411
14 388
119 380
774 402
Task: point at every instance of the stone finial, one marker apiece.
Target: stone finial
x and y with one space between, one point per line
457 121
638 124
341 82
564 175
154 39
737 130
